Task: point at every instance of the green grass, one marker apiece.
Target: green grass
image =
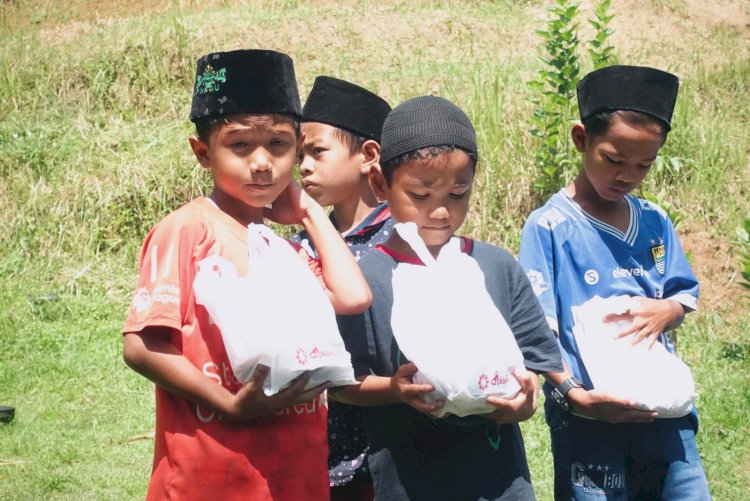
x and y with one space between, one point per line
93 151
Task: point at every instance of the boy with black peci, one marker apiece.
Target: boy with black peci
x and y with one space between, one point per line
428 162
217 438
341 126
593 238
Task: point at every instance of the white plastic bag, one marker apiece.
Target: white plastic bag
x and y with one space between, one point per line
656 379
446 323
278 315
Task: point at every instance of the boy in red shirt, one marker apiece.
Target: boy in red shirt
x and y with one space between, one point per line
215 437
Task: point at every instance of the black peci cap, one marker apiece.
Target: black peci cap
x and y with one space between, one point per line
346 106
632 88
423 122
244 81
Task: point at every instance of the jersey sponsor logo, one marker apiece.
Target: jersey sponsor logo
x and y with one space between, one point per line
310 407
551 218
629 272
591 277
658 252
598 479
537 282
166 294
141 299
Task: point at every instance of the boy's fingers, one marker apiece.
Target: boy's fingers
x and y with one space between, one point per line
500 403
297 386
634 416
425 407
612 317
259 376
408 369
416 389
310 394
523 377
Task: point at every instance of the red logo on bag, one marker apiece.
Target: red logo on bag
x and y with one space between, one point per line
318 353
484 381
497 380
301 356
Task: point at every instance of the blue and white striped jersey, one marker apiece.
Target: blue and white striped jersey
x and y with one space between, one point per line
570 257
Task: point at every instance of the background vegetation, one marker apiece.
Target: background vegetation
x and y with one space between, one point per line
94 99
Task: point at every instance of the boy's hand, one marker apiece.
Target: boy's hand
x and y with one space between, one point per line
403 388
250 402
290 206
522 406
594 404
650 318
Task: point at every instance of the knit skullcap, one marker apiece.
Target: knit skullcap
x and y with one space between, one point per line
423 122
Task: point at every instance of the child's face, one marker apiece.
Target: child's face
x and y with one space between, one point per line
432 193
616 162
329 172
251 159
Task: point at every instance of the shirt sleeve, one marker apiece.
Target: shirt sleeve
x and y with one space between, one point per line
536 340
356 335
537 259
366 335
166 274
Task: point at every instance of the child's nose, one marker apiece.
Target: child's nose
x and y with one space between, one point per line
260 162
628 175
306 166
439 212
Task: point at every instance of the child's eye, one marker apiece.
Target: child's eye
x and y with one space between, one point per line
458 196
239 144
278 142
612 160
317 151
418 196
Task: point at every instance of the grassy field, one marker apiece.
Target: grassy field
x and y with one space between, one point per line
94 99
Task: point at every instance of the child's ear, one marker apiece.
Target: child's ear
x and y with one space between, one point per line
200 150
377 182
370 152
578 133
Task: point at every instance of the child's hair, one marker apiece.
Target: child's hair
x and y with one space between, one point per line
422 154
598 124
205 127
352 141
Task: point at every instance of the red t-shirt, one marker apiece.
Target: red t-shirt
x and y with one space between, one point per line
197 454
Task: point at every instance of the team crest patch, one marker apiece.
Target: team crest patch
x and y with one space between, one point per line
658 253
209 80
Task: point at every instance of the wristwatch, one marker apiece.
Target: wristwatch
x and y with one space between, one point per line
560 392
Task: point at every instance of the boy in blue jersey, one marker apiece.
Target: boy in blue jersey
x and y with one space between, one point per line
428 162
593 238
341 126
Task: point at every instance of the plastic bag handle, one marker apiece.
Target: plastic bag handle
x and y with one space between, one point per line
408 232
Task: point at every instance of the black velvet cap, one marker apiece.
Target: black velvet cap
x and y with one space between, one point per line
423 122
632 88
244 81
346 106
